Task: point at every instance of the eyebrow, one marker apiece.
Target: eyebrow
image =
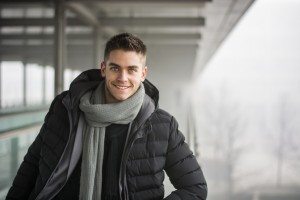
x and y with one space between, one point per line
116 65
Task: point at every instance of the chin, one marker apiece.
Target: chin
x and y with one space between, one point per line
121 98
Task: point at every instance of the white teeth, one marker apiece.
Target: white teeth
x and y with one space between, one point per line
122 87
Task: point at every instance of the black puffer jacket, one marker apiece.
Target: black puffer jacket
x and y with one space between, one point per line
154 144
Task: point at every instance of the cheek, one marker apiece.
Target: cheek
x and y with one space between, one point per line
110 77
139 77
107 82
136 80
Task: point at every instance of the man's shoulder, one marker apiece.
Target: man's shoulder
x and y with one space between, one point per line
61 95
57 106
162 112
58 98
161 116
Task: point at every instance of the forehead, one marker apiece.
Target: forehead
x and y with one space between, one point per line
126 58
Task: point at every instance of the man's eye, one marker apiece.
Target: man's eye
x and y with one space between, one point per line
114 69
133 70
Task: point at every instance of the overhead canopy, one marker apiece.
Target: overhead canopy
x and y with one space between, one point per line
27 26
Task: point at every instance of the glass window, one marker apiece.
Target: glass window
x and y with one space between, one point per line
34 84
49 83
76 73
67 78
11 84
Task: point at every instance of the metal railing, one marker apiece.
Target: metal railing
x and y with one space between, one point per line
13 146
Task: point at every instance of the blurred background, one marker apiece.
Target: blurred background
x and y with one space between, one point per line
228 70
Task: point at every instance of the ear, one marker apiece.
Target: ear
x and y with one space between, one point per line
102 68
144 73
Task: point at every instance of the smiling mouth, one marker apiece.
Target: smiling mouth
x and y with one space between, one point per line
121 87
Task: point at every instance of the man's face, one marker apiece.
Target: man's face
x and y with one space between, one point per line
123 71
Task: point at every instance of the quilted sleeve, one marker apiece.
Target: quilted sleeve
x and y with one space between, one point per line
183 169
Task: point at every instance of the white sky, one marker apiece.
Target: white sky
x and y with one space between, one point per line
261 57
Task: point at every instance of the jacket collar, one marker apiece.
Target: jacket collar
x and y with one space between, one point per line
148 107
90 79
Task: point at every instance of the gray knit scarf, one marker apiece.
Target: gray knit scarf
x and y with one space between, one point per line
97 117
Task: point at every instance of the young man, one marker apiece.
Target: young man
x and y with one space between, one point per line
105 138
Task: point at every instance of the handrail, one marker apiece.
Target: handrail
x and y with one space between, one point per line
20 131
16 120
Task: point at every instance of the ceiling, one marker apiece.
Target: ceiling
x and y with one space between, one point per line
181 35
27 27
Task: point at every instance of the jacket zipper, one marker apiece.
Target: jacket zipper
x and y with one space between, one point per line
124 161
122 158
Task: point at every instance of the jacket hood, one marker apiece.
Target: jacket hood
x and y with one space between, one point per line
90 79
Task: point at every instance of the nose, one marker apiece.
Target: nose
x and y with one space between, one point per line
122 76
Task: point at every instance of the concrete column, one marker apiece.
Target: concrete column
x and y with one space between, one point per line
192 129
14 157
0 71
59 46
44 85
96 47
24 83
0 84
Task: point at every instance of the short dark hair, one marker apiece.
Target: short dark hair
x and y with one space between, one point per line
126 42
